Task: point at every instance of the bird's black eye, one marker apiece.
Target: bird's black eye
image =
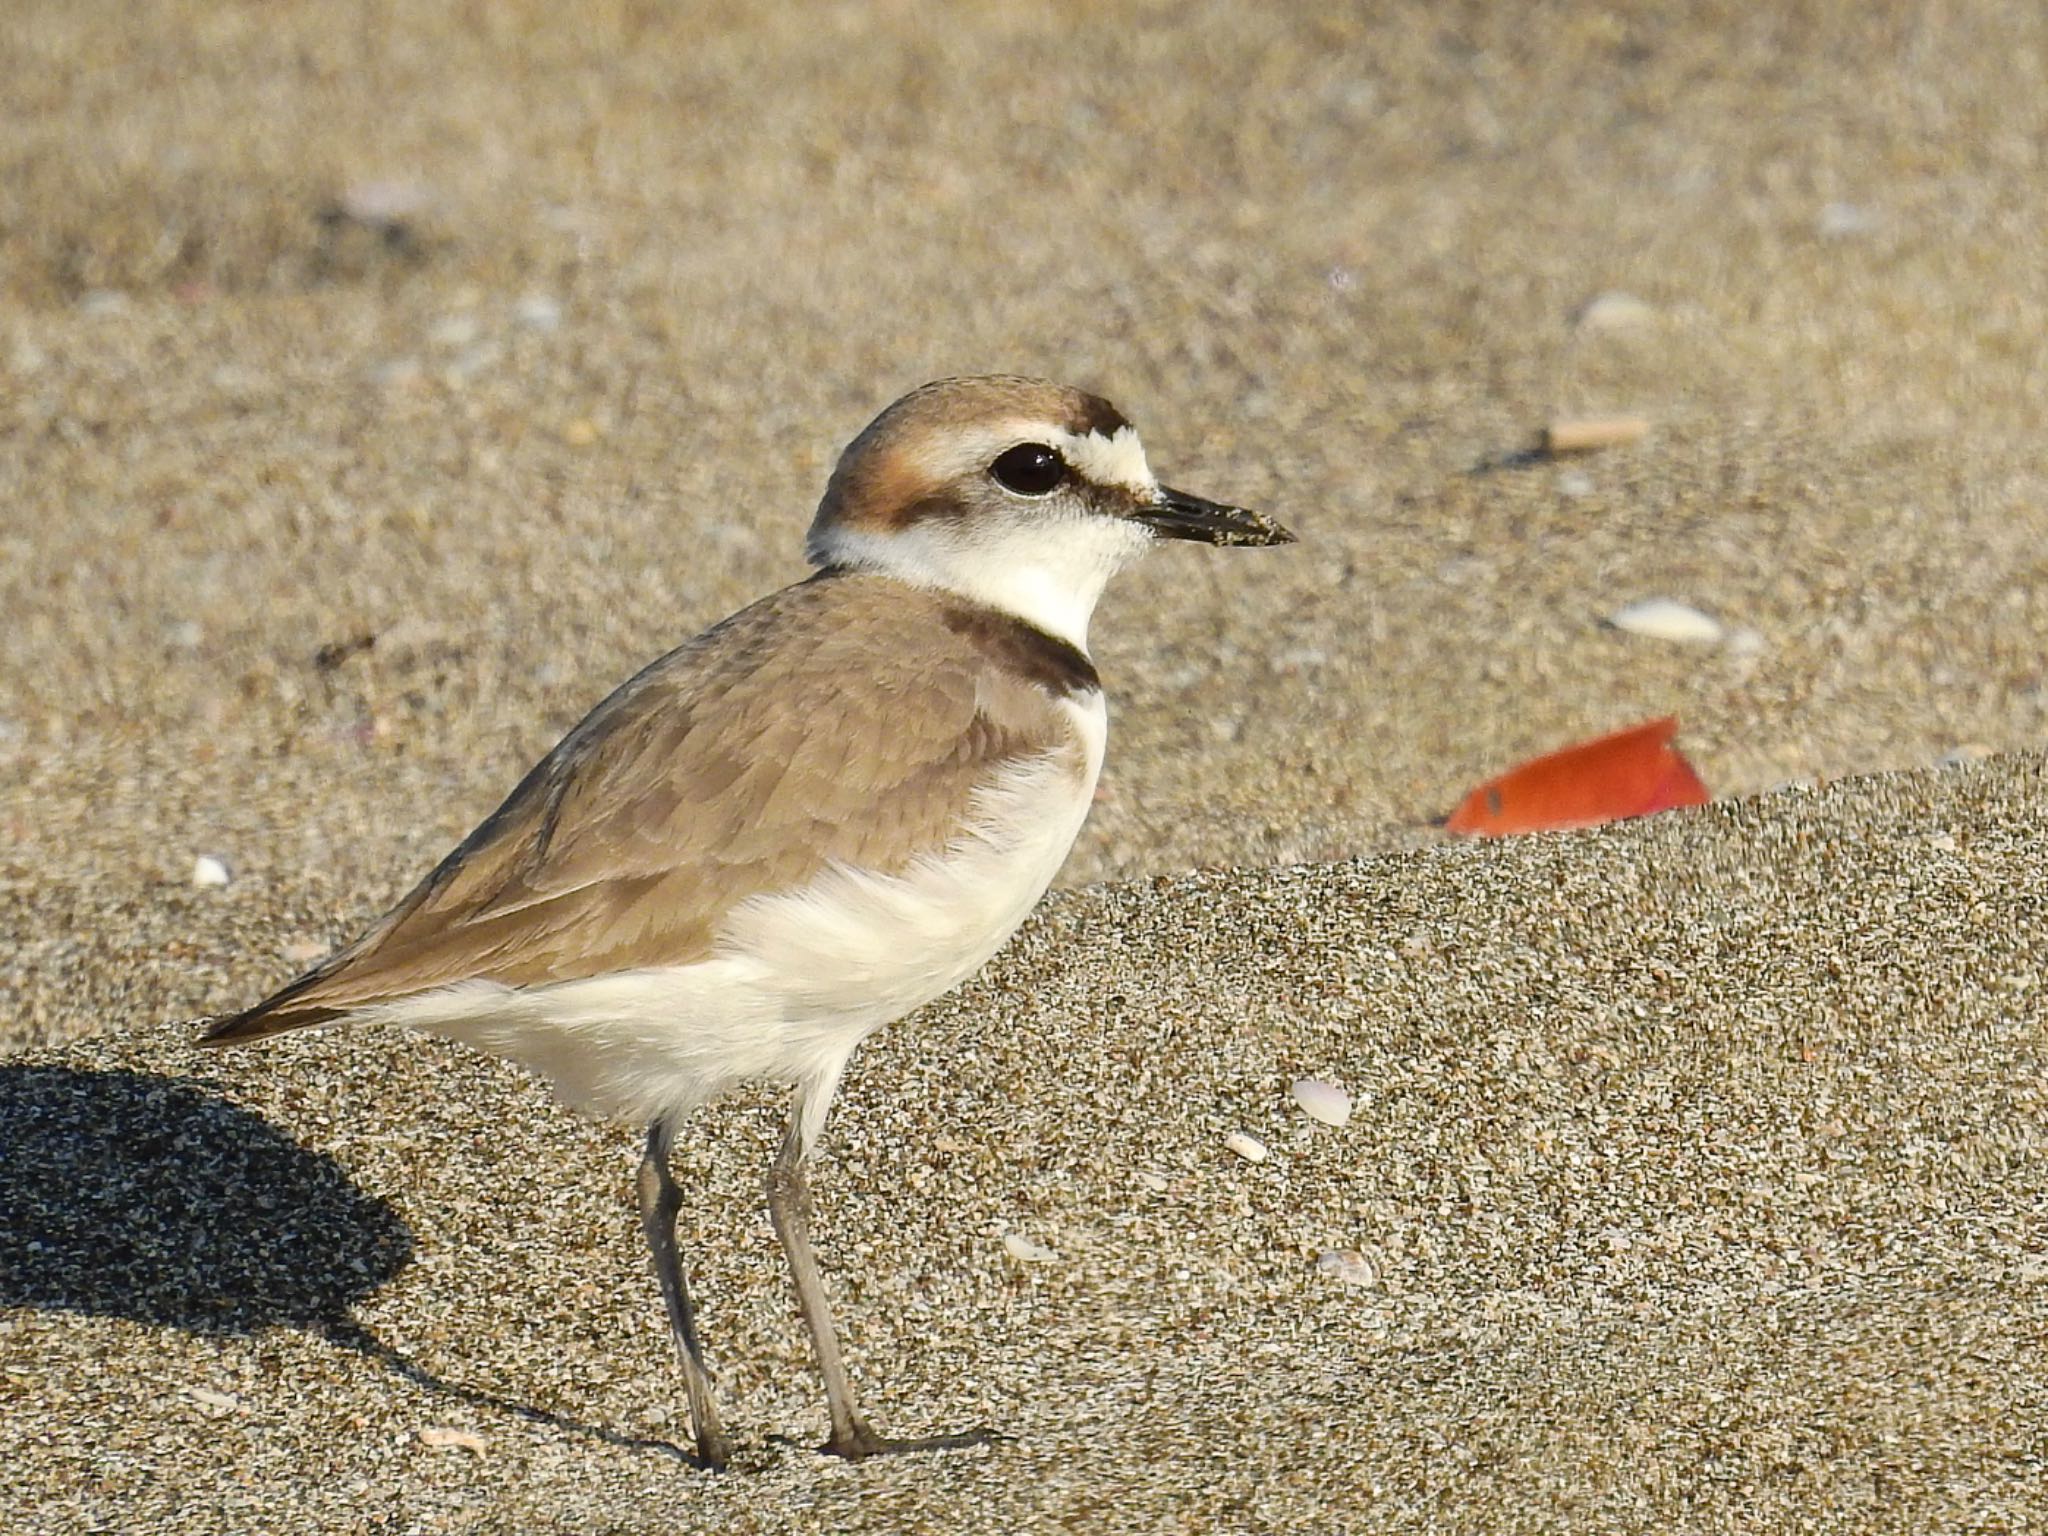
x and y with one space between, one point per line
1029 469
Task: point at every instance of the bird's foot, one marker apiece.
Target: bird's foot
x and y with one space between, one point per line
714 1451
860 1442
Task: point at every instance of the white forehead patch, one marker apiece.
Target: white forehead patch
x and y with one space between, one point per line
1118 459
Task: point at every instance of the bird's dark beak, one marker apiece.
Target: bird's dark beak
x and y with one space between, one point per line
1177 515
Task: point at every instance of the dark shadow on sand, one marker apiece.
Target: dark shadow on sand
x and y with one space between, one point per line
154 1199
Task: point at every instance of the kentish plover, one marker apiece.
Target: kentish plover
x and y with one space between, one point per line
811 819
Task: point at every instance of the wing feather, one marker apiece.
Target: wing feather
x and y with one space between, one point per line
839 720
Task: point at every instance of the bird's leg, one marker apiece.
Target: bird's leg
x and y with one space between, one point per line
659 1202
789 1204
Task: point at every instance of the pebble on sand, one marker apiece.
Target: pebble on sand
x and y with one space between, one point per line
1250 1148
1349 1266
446 1437
209 871
1323 1101
1665 618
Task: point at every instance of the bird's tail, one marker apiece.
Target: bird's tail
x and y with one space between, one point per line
283 1011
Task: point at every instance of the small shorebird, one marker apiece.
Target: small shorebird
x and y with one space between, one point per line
813 818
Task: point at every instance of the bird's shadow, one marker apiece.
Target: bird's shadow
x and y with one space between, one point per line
154 1199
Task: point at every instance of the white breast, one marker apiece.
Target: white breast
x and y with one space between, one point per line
800 977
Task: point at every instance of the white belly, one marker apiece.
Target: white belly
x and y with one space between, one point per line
798 978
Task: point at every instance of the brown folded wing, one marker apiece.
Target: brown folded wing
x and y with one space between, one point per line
845 719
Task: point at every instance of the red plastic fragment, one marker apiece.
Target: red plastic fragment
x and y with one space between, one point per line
1635 772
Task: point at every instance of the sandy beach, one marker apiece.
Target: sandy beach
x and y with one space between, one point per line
380 385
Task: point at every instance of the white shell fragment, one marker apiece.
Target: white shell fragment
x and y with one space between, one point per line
455 331
385 202
538 312
1745 643
1025 1251
206 1397
1614 311
1349 1266
208 870
1665 618
1323 1101
1845 221
1250 1148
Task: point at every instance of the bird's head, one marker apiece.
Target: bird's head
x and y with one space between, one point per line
1017 493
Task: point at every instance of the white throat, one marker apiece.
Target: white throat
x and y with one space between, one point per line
1048 576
